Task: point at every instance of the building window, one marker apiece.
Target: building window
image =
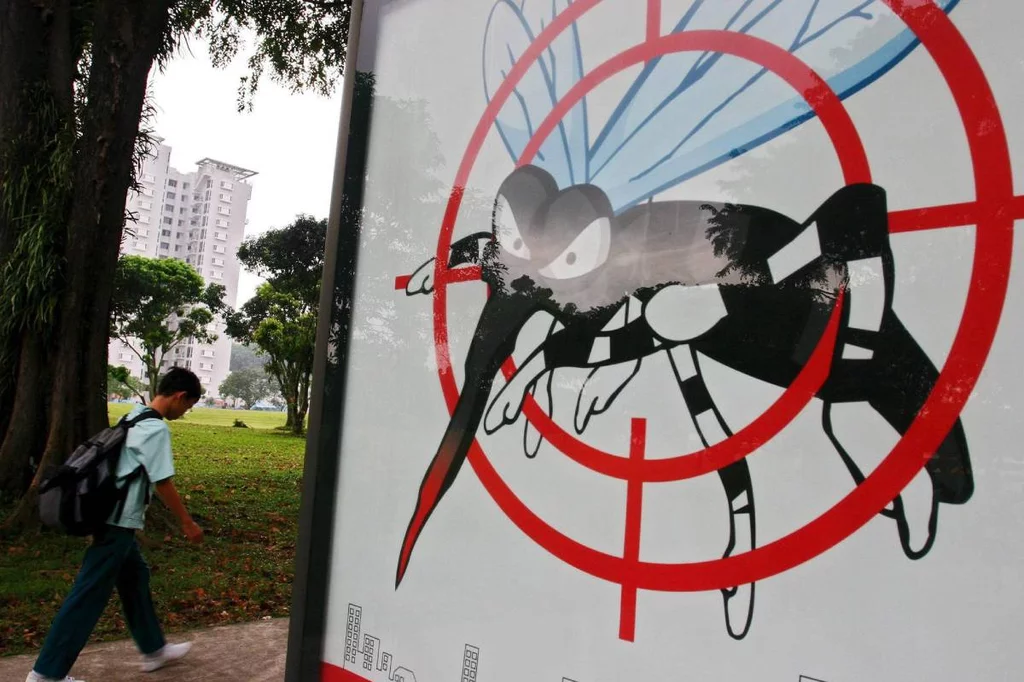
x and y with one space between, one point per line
172 183
226 198
177 247
217 261
168 221
205 221
147 191
219 248
124 356
144 219
216 274
165 246
222 223
142 233
181 223
207 353
146 177
220 236
145 205
140 246
182 210
184 185
169 208
165 233
224 184
205 380
171 195
223 210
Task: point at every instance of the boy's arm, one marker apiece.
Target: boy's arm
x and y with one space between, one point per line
169 494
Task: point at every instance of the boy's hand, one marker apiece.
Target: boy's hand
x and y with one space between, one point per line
192 531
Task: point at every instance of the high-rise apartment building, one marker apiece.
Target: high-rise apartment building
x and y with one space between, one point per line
197 217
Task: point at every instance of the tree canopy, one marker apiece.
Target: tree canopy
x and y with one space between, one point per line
158 304
280 320
249 385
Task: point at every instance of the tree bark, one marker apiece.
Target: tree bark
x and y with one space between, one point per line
126 39
26 433
303 402
38 57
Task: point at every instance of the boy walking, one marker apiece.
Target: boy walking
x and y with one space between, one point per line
113 559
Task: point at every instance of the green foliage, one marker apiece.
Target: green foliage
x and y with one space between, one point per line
122 384
248 385
291 258
243 487
281 318
159 303
244 357
300 43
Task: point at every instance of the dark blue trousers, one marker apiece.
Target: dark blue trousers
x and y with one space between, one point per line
113 560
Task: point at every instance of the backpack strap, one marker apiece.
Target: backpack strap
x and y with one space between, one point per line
148 413
122 499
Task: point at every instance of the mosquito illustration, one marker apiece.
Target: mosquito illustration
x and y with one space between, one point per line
578 235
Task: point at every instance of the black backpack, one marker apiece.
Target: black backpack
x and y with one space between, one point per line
82 494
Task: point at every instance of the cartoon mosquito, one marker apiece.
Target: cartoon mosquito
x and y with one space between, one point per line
579 236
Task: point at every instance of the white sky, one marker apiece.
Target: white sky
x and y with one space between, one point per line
288 139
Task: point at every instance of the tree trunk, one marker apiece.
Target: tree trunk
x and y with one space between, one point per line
303 403
126 38
26 433
38 55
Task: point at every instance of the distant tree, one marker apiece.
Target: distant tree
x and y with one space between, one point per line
249 385
284 329
159 303
281 318
245 357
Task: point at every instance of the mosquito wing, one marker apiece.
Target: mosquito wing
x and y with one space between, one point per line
512 27
689 112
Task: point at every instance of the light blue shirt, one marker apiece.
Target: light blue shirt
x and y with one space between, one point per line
148 444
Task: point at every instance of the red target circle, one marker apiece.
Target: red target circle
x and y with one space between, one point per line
830 111
986 295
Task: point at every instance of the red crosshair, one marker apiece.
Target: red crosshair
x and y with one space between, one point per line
993 212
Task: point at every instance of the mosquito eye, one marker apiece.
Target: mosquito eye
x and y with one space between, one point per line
507 231
587 252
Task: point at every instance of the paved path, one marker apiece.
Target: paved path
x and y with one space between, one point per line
253 653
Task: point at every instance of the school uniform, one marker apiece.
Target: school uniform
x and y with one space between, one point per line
113 560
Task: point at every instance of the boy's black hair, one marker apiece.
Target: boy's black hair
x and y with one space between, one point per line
179 379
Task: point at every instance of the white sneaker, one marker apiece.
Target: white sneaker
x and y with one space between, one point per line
169 654
36 677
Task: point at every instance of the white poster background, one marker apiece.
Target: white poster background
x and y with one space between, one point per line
860 612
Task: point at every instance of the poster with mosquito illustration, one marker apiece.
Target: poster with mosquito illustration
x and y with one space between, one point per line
682 343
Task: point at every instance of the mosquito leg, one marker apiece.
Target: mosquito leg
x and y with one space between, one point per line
541 391
851 465
739 492
532 437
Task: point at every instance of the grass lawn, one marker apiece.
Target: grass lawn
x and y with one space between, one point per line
214 417
243 488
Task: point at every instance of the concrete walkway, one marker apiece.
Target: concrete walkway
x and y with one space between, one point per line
253 652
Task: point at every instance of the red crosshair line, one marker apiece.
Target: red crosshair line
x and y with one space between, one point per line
634 522
907 220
